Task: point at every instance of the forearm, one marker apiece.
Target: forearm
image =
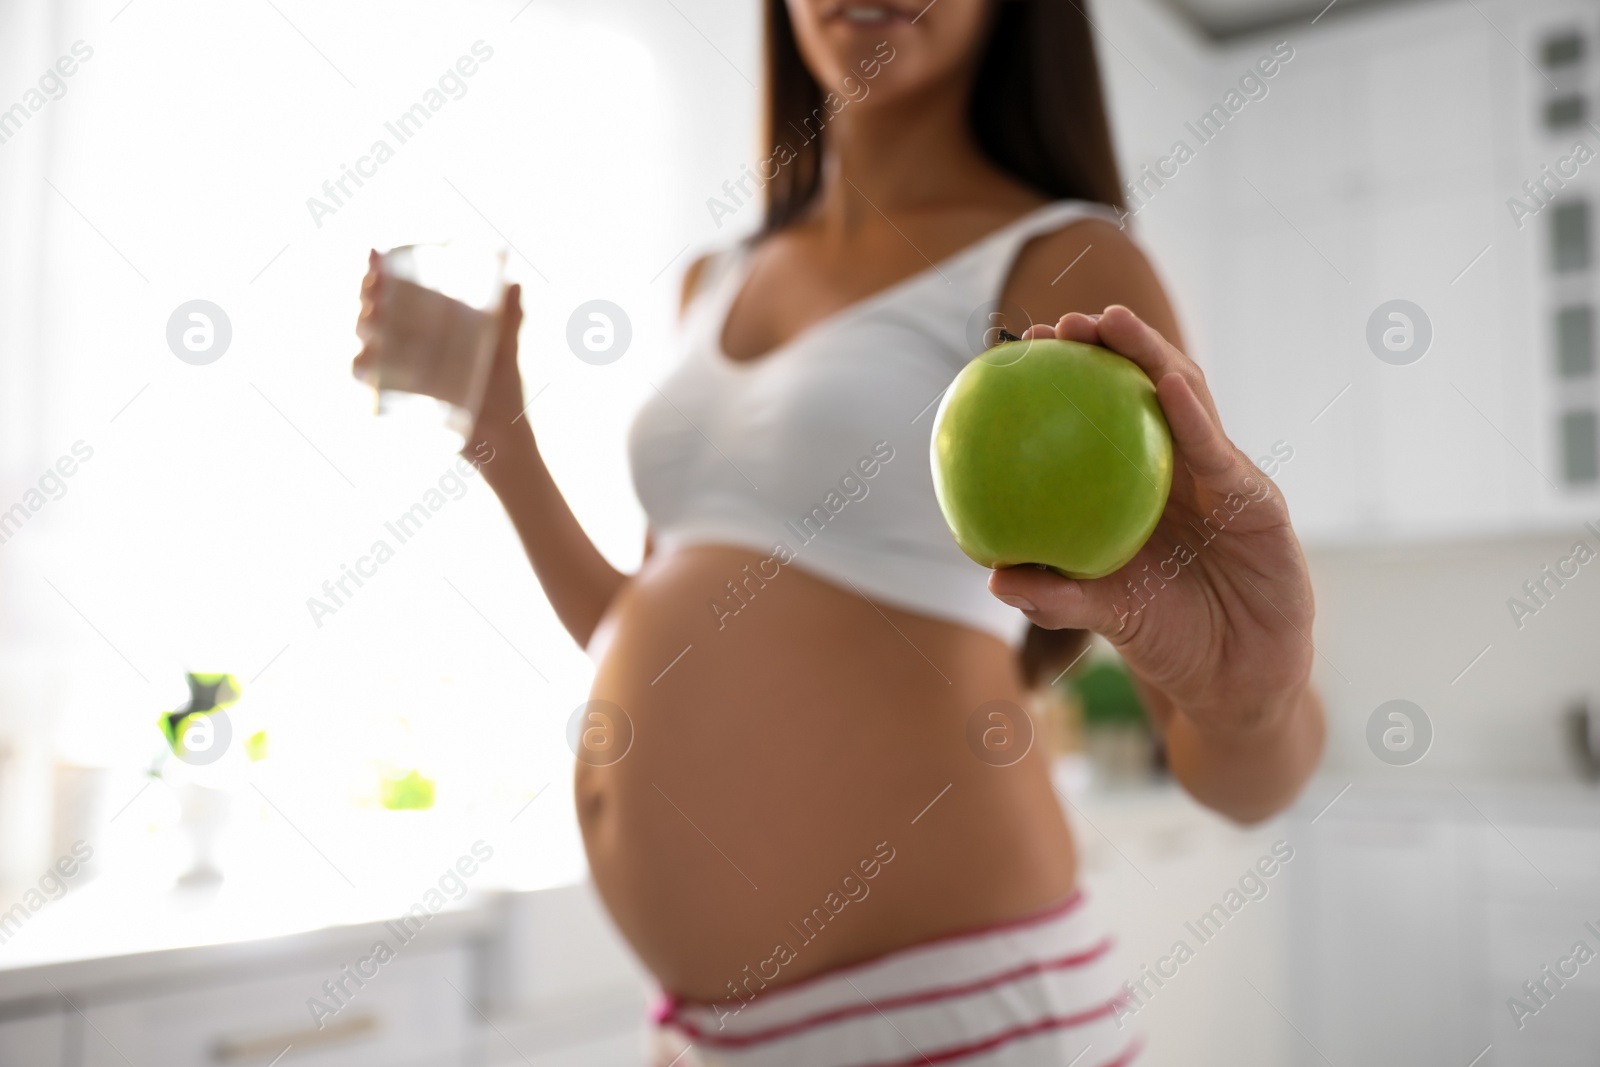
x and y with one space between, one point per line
1253 770
577 579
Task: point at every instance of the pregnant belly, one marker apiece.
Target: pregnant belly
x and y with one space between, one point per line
798 791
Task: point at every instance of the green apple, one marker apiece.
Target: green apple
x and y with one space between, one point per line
1052 452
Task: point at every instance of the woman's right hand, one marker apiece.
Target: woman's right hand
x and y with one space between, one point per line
574 575
500 414
368 323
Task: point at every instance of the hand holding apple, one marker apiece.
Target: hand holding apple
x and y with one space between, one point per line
1214 612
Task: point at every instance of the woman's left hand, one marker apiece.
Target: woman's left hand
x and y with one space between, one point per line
1215 611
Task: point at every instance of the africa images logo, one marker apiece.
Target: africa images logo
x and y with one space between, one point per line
1399 732
199 332
1399 332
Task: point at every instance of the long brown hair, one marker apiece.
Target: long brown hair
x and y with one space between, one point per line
1037 108
1037 111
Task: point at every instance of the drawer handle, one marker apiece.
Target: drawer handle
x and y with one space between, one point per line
233 1050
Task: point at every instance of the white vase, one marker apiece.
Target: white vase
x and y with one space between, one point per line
203 813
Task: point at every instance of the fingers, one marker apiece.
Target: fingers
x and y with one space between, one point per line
1128 335
1180 384
374 276
1056 603
365 363
1085 329
367 326
1201 443
1071 327
1180 388
366 360
371 295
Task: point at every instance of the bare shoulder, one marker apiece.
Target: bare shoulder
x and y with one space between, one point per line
1085 267
691 280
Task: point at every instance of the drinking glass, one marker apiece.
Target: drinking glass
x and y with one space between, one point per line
435 333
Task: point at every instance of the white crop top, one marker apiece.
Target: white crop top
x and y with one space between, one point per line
817 452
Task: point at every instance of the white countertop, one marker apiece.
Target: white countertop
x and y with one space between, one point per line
112 932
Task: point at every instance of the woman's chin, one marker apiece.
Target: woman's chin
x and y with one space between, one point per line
885 93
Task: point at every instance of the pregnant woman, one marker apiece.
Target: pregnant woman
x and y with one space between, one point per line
800 844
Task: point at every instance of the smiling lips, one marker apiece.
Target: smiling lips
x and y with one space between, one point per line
867 14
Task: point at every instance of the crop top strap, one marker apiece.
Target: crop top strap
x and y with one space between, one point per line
999 256
714 290
717 268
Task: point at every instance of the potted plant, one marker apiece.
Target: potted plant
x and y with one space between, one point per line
206 753
1116 731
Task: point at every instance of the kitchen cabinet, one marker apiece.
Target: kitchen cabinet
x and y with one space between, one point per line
1393 936
627 1049
1380 939
1420 914
1378 169
410 1012
548 980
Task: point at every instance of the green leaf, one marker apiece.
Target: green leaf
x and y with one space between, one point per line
255 746
1107 694
412 792
210 692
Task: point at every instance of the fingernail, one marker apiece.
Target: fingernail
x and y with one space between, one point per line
1020 603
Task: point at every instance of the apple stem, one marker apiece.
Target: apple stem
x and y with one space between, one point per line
1007 335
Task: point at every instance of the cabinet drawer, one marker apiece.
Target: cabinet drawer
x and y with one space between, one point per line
407 1014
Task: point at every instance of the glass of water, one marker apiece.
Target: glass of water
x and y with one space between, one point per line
435 332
